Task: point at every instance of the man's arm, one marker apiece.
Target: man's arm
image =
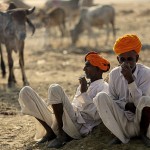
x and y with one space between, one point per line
135 92
83 84
84 97
112 90
81 95
127 73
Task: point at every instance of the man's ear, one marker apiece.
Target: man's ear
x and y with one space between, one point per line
137 57
118 58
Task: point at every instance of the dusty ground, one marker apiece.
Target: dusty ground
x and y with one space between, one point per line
60 63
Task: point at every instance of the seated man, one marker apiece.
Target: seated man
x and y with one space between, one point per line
126 111
68 120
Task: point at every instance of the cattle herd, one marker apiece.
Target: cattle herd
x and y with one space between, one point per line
83 13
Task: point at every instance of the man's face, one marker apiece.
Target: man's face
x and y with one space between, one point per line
90 70
130 58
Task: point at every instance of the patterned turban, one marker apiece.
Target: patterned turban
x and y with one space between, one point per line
96 60
127 43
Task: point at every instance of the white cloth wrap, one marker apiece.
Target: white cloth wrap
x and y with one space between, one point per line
115 119
32 104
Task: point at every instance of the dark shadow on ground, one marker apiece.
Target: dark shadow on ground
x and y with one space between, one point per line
9 100
99 137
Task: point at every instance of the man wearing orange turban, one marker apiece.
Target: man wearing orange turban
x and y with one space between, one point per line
96 60
128 104
127 43
73 120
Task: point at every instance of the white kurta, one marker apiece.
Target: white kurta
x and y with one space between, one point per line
84 107
124 124
78 118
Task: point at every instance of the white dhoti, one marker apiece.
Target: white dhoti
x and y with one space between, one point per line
115 120
32 104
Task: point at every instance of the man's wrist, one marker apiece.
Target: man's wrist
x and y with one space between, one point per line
126 106
130 107
130 81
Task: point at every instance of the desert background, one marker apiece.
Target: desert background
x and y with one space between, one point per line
52 59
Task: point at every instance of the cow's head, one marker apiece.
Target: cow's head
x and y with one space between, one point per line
16 22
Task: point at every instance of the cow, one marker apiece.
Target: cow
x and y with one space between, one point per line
85 3
95 16
71 8
55 17
13 34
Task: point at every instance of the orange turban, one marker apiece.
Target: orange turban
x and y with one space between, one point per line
127 43
96 60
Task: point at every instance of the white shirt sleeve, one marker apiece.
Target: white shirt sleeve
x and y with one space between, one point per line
81 99
142 89
84 98
113 92
135 93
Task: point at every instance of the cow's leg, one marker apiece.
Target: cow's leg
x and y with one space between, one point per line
2 64
47 36
21 62
107 34
114 30
61 30
61 38
64 25
11 71
91 36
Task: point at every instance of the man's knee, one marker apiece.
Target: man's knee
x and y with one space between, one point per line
100 97
24 91
55 94
143 101
54 87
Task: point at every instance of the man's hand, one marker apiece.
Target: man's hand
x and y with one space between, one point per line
131 107
127 72
83 83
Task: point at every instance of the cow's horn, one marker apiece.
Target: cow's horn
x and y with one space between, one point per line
31 25
30 11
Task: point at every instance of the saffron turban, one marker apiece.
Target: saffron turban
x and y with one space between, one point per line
127 43
96 60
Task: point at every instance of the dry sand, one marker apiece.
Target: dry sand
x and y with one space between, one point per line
61 63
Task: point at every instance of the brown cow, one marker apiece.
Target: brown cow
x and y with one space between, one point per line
54 17
70 7
85 3
13 34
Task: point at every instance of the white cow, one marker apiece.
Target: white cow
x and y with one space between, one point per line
85 3
95 16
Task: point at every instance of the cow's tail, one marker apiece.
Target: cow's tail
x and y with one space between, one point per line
2 63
